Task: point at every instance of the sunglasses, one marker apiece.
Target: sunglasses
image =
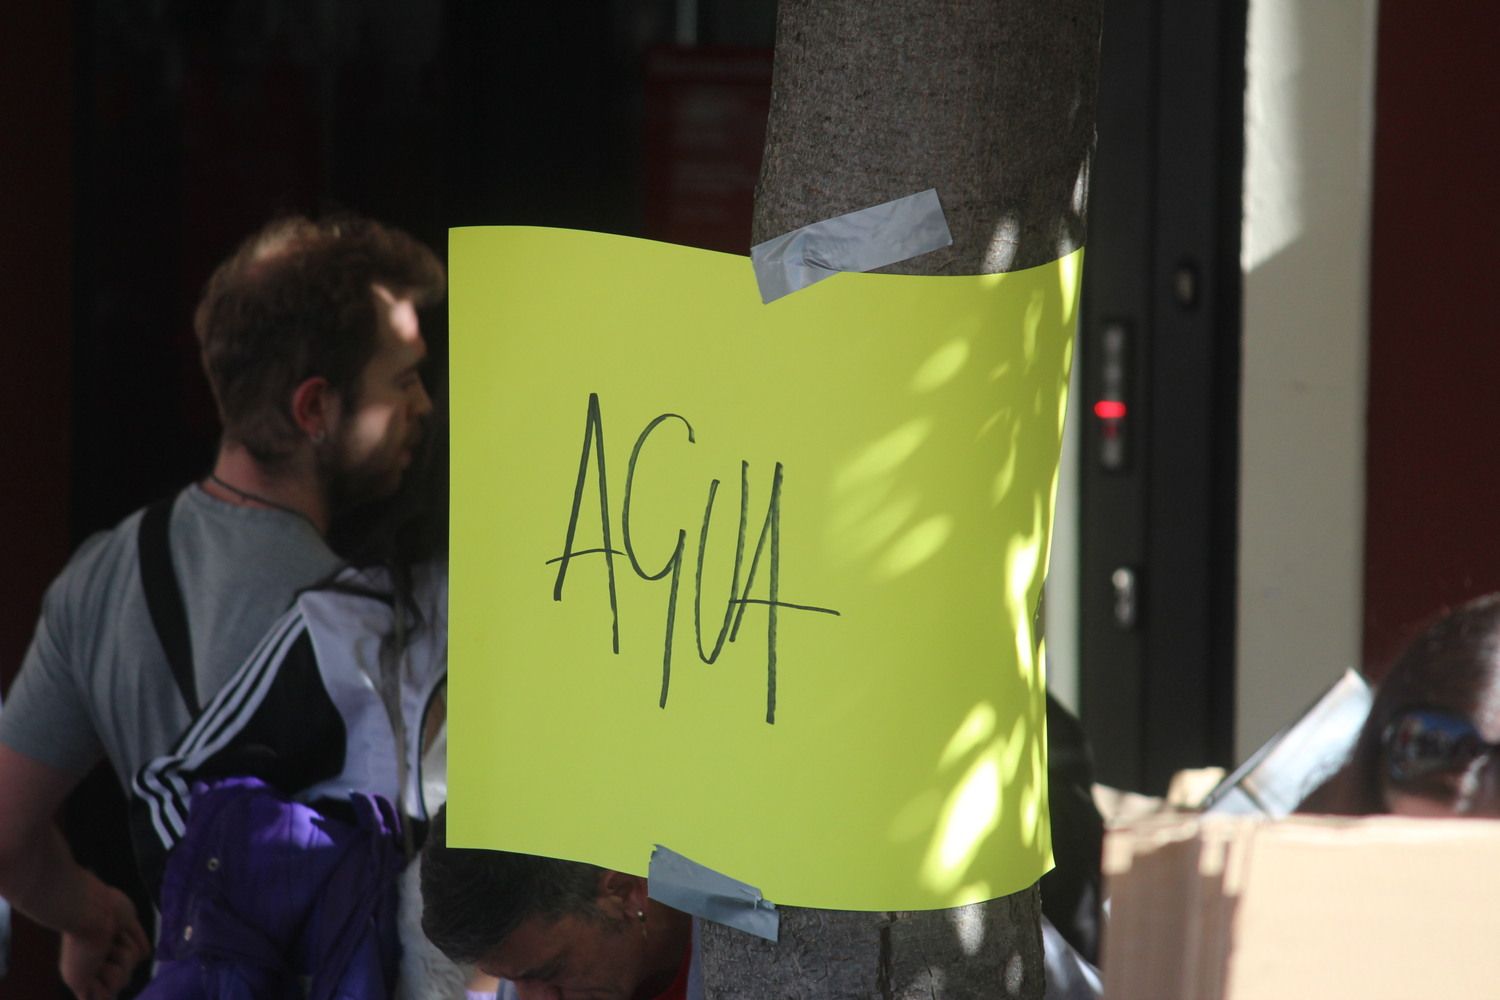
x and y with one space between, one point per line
1422 743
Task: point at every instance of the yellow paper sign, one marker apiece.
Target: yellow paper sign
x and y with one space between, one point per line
755 582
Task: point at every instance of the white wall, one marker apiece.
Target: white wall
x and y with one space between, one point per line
1305 248
1061 606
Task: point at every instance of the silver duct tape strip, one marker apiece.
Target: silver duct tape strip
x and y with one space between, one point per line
685 885
859 241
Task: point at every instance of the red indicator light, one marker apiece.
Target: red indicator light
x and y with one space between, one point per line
1109 409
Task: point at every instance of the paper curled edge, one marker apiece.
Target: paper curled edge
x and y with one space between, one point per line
857 241
685 885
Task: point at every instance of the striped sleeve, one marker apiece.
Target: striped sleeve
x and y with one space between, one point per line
272 720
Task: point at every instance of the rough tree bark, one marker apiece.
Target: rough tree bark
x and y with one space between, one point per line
992 103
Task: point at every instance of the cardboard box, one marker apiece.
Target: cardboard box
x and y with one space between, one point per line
1231 908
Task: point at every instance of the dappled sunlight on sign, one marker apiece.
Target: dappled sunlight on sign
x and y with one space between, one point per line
916 818
916 546
1031 326
1012 749
939 369
882 458
1023 566
860 533
1032 810
864 514
974 730
1004 480
753 582
1062 403
970 816
1069 278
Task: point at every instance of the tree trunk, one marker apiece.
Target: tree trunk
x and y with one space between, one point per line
991 102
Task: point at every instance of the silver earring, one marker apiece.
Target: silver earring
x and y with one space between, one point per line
317 438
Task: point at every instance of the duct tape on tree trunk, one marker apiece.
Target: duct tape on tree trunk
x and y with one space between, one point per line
856 241
755 582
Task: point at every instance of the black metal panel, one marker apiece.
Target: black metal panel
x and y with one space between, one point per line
1157 539
1112 533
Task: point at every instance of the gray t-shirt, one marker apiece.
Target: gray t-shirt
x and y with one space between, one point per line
95 680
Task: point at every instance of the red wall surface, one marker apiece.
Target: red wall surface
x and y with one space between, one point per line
1432 535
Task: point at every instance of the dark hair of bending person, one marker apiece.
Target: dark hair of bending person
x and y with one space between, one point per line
551 927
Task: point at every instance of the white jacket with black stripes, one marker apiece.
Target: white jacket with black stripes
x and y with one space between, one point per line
341 681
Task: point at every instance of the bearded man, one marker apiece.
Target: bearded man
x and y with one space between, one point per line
311 344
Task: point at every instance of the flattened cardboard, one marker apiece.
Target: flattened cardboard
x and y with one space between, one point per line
1245 909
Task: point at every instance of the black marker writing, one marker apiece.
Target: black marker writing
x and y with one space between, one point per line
767 547
674 564
593 437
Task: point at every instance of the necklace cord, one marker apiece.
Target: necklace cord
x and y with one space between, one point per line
253 497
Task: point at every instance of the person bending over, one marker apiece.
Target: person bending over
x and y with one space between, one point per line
553 929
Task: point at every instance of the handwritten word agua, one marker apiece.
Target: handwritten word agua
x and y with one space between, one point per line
767 545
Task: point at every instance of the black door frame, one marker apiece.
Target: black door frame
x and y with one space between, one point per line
1161 329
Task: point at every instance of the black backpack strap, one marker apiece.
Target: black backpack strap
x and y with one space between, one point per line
164 597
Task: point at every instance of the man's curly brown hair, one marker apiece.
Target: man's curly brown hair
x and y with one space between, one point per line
295 301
